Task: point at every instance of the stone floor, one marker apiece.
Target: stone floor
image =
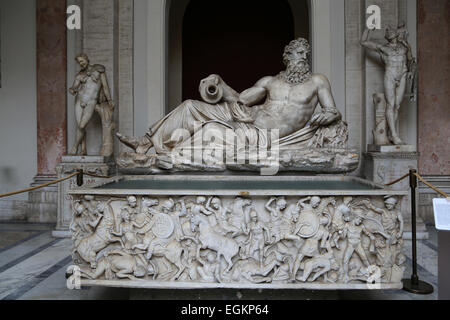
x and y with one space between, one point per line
33 265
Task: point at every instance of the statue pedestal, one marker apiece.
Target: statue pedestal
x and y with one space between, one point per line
392 148
387 165
98 165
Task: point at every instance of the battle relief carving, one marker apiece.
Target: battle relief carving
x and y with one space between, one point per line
340 240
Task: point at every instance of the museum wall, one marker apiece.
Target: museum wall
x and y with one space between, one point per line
434 87
434 100
18 160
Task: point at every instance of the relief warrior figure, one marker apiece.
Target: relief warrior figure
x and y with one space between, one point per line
163 239
397 57
82 223
221 215
280 226
256 240
353 230
391 219
91 91
321 264
209 270
286 102
310 247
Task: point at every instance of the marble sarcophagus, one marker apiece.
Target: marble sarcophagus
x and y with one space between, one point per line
185 231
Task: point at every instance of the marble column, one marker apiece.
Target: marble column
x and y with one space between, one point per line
51 104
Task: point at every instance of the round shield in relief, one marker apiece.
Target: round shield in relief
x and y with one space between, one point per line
163 227
308 223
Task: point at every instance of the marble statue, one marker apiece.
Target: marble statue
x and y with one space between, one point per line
170 240
92 94
296 104
380 133
399 67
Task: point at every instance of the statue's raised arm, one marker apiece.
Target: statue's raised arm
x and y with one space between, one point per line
366 43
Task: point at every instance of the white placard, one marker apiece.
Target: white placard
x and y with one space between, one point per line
441 208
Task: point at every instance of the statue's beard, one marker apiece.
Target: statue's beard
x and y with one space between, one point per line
297 72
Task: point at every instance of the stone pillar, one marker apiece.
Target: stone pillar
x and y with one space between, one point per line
51 105
354 74
434 100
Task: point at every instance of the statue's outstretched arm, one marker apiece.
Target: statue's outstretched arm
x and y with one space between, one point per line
255 94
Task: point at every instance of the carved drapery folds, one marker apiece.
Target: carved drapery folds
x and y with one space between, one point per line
226 240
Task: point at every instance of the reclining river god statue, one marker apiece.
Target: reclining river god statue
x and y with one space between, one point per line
292 116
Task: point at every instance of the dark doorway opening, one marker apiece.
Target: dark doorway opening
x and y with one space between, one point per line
242 41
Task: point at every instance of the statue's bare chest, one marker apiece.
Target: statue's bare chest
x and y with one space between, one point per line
395 54
300 94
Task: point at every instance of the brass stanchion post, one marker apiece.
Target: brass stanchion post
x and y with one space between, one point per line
80 178
414 285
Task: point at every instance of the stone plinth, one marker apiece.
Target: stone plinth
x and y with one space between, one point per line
385 167
392 148
89 164
42 202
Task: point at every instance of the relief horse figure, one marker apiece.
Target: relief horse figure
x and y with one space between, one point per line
87 248
210 239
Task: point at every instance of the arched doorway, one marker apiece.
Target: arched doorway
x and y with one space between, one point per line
158 69
242 41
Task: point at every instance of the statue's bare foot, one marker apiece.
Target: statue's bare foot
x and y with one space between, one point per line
73 152
397 141
140 145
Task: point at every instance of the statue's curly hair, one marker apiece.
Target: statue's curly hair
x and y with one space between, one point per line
294 45
82 55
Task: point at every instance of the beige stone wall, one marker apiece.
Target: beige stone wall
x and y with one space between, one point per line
18 161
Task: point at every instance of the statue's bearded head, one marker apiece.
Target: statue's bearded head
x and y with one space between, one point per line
296 59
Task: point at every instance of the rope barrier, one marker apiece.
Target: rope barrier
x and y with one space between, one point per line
442 193
40 186
398 180
52 182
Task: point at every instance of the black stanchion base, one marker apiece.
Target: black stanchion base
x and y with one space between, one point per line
420 288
